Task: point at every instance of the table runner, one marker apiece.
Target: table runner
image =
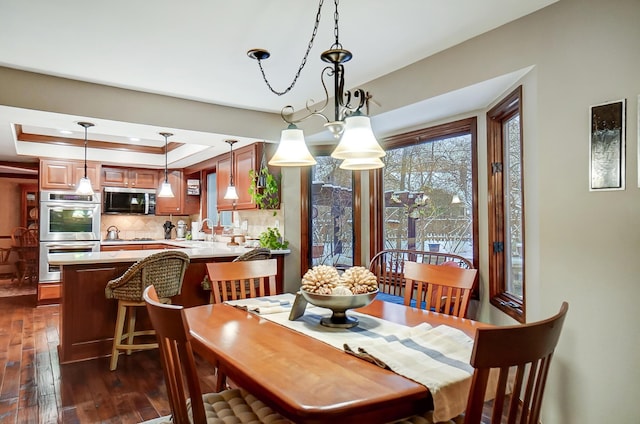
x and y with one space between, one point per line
437 357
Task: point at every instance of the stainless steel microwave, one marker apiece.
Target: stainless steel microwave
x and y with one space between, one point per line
129 201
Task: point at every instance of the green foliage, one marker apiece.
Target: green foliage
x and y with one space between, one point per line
266 197
272 239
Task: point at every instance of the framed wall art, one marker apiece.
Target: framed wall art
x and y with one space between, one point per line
607 146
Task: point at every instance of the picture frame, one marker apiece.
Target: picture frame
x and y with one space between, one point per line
607 146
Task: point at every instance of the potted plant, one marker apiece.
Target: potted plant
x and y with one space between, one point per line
263 189
272 239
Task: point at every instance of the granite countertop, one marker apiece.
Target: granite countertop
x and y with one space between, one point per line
195 249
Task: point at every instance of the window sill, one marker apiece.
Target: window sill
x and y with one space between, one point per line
510 306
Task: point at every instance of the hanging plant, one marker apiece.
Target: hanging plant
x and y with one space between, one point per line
265 194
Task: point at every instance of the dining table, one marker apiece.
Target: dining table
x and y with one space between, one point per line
306 379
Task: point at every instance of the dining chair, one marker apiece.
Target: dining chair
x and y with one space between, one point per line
388 267
528 349
166 271
25 242
188 404
521 355
241 280
444 289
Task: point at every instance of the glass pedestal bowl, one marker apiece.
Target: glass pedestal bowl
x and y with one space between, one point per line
339 304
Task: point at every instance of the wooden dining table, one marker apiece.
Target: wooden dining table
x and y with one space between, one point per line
306 380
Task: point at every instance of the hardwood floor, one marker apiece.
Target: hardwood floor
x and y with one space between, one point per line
34 388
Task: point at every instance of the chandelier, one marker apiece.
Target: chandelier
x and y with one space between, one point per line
358 147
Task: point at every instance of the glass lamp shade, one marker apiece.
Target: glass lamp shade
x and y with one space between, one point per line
231 193
292 150
84 186
360 164
165 190
358 140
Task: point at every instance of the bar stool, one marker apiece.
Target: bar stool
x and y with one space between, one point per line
165 271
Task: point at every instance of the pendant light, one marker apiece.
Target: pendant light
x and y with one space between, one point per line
358 147
165 188
84 186
231 193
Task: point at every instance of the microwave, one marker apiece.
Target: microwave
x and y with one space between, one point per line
129 201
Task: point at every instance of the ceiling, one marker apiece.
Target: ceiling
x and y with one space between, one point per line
197 50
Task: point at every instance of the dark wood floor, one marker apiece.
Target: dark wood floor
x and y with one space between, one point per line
34 388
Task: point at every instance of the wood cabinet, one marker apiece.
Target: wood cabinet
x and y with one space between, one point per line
181 203
65 175
129 177
29 209
245 159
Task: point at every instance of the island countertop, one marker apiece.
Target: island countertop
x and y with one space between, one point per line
195 250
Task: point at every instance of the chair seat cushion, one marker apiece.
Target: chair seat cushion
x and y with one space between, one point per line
428 419
233 406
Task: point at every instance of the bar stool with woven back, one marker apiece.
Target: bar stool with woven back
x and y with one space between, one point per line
165 270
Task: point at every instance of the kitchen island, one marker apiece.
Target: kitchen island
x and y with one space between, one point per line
87 317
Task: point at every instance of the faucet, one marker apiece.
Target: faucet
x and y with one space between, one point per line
211 225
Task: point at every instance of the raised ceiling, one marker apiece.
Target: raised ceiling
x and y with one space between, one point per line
197 50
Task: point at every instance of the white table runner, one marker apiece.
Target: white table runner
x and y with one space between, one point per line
435 357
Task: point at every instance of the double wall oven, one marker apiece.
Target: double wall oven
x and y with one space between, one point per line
69 223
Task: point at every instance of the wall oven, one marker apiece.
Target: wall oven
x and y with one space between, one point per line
69 223
49 273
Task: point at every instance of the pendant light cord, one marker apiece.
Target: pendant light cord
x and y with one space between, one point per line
85 152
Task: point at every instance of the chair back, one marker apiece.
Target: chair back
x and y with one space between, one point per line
444 289
388 266
165 270
528 349
241 280
257 254
176 355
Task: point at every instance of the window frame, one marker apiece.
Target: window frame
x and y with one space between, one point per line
499 297
305 212
449 129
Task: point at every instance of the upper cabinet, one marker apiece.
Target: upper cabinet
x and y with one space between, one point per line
181 203
129 177
245 160
65 175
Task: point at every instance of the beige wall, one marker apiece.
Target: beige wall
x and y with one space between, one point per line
581 246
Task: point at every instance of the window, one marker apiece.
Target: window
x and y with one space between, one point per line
506 206
425 196
329 215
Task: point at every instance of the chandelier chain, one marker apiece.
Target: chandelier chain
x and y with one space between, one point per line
304 59
336 29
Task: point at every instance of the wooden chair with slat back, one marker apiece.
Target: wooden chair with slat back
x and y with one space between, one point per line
242 280
521 355
528 349
444 289
388 266
188 404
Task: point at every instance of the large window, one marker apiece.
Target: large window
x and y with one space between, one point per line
330 214
506 206
425 196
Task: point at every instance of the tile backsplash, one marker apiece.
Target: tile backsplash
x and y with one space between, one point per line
139 226
150 226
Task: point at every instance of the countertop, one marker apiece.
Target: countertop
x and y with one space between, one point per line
195 249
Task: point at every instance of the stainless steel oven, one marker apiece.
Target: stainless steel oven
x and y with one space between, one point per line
69 223
69 216
49 272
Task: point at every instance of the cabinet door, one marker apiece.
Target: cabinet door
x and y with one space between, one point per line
115 177
93 173
56 175
171 205
30 207
245 160
143 178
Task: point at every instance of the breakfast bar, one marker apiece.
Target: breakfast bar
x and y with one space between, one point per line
87 317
